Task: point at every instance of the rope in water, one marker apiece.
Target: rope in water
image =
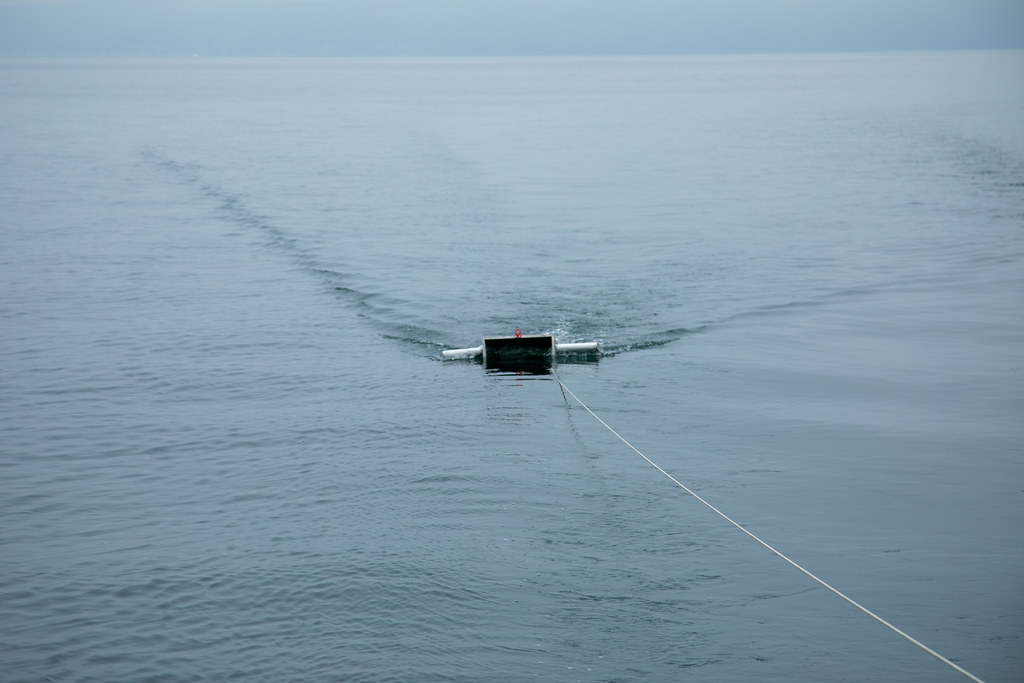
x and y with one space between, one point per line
736 524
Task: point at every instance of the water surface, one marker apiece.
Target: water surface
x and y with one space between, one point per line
230 449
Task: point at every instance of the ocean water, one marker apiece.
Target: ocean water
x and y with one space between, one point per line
230 450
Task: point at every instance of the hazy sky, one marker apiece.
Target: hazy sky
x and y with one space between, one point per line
500 27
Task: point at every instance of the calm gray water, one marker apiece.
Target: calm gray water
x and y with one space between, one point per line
229 448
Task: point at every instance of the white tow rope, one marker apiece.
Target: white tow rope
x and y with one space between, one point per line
736 524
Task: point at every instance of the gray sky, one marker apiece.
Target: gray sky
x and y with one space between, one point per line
500 27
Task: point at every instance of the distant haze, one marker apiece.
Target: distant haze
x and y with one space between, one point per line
489 27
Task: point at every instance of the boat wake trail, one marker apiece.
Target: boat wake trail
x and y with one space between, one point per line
603 315
375 307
